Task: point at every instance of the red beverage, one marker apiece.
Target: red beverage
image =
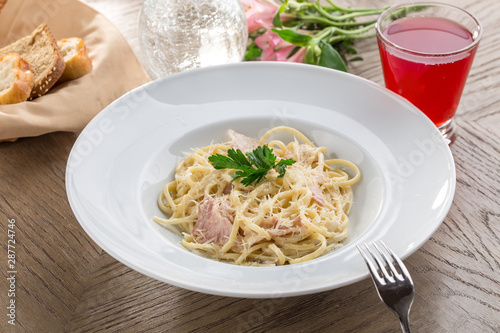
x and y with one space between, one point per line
429 65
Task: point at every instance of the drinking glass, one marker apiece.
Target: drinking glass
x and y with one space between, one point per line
427 49
179 35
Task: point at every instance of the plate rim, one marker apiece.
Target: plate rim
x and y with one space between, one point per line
135 266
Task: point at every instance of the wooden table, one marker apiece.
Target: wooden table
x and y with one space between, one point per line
65 282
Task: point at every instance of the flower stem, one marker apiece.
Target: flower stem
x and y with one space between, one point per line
348 10
339 38
348 16
345 32
325 21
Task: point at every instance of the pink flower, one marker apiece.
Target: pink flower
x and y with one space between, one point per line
259 13
276 49
298 56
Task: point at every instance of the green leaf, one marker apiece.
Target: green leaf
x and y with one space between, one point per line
351 51
355 59
295 50
239 174
253 52
255 176
222 162
276 19
310 57
262 157
294 37
281 166
331 58
233 160
253 167
238 156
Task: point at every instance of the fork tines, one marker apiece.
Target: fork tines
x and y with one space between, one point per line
392 280
392 267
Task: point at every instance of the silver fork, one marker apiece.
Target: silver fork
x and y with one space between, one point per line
392 280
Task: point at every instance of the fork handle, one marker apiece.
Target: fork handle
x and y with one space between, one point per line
405 324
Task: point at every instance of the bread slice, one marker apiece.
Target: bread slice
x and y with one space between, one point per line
41 51
16 79
76 58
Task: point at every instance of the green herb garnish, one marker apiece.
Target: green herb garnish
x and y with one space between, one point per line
252 166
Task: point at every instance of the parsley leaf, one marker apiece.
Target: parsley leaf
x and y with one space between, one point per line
253 166
281 166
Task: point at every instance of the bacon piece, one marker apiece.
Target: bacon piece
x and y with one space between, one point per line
215 221
242 142
228 188
317 194
274 228
268 222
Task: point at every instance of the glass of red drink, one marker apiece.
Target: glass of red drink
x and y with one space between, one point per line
426 49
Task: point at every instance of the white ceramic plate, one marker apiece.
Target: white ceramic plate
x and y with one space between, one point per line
121 160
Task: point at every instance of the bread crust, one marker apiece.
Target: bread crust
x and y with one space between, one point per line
56 70
23 82
46 73
78 63
2 4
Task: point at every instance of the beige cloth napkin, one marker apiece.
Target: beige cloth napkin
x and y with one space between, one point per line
71 105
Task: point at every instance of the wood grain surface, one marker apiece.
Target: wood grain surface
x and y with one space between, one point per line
66 283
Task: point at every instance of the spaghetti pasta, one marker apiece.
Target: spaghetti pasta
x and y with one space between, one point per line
281 220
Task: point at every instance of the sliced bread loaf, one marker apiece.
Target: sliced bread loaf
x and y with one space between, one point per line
76 58
16 79
41 51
